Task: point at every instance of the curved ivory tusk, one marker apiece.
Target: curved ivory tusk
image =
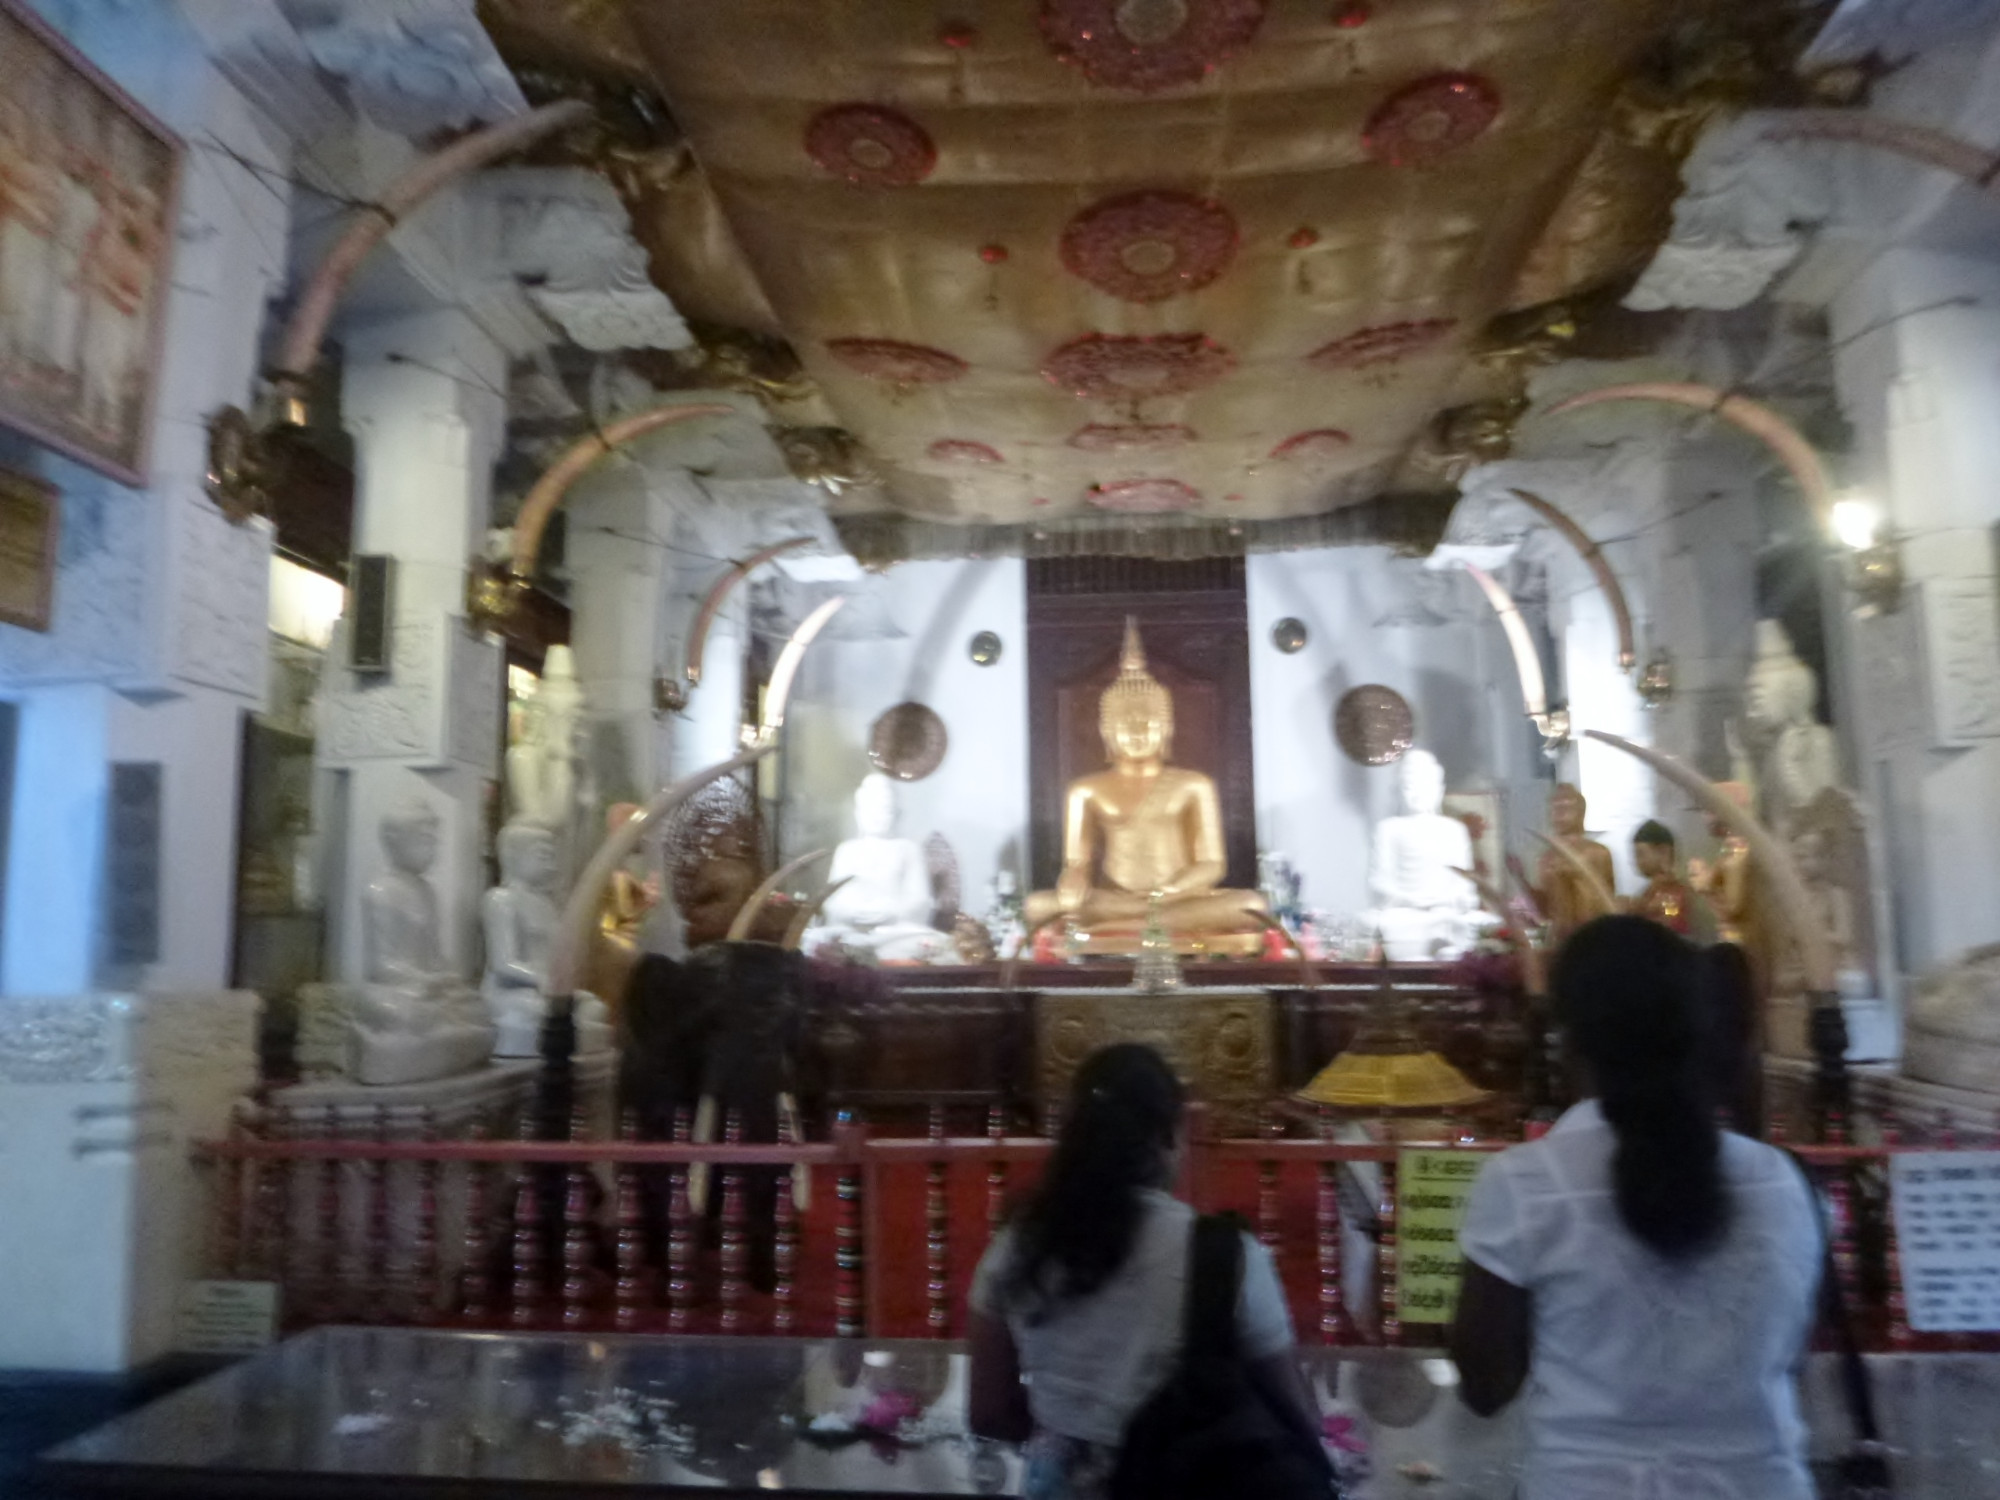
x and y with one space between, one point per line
1807 469
1527 660
1595 560
307 330
739 927
1787 884
796 934
1934 148
780 688
711 604
1534 973
579 918
547 496
1607 903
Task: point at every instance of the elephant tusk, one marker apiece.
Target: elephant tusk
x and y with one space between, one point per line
1605 901
779 691
1595 560
1534 973
746 914
711 604
796 935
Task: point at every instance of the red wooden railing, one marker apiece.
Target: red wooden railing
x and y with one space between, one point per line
607 1234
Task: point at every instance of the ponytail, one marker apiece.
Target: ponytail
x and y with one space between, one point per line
1079 1227
1627 991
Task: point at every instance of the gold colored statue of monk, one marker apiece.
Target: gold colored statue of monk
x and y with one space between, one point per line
1142 829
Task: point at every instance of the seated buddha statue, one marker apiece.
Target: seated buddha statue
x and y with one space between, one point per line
1426 910
882 901
1142 829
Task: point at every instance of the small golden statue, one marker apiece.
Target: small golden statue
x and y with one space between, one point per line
1143 829
1729 881
1566 898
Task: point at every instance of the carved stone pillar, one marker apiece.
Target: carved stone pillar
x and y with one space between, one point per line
421 399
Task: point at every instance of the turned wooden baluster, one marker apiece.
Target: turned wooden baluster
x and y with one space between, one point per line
376 1288
1900 1336
849 1297
785 1245
525 1293
1385 1256
680 1236
735 1254
576 1247
1326 1225
326 1281
1267 1189
423 1270
475 1283
232 1220
937 1244
996 1173
633 1290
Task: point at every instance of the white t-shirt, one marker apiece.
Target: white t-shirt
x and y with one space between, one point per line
1652 1379
1092 1362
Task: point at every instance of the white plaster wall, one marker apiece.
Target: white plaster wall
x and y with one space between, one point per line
1313 803
978 799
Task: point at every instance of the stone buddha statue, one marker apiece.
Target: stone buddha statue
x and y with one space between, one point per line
519 917
414 1019
1145 829
1796 756
1426 909
1565 897
884 908
544 767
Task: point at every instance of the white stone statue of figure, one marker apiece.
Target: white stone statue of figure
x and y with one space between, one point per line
544 766
1797 757
885 907
413 1019
520 917
1425 909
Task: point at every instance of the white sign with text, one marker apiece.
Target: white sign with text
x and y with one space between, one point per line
1948 1236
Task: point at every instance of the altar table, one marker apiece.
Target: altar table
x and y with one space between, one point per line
393 1413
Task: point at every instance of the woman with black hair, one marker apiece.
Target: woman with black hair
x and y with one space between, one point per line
1650 1277
1082 1294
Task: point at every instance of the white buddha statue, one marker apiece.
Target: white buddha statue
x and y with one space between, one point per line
413 1019
885 906
520 918
544 765
1425 909
1797 757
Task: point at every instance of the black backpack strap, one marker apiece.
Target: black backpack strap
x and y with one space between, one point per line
1856 1387
1215 1276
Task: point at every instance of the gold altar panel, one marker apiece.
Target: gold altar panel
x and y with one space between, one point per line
1331 203
1221 1044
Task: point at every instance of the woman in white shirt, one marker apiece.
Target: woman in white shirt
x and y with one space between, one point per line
1076 1308
1650 1278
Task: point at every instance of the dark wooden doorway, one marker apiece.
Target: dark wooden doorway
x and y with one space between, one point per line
1195 623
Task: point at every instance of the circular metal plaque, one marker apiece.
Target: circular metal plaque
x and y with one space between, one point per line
1289 635
985 648
1374 725
907 742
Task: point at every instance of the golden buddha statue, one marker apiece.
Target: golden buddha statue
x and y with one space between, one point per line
1144 829
1567 899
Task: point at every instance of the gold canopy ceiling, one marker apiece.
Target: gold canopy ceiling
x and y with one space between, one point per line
1233 258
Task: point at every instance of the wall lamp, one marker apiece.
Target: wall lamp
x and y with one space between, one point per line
1874 554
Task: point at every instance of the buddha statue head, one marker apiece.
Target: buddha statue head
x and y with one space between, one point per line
527 857
1566 811
410 835
1136 714
1781 689
875 807
1421 781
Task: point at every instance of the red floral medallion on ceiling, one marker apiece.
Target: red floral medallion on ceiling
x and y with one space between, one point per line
870 146
896 362
1320 443
1382 344
964 451
1149 44
1146 247
1144 496
1107 437
1114 367
1431 118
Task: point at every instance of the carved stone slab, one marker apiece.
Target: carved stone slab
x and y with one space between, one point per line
1221 1043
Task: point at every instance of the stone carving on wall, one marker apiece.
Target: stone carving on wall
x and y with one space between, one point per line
1962 621
394 718
566 234
1894 701
475 700
1952 1035
88 1040
102 589
222 576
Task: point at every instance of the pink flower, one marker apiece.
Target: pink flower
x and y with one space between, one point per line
890 1410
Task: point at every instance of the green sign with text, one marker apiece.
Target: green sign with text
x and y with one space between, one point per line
1431 1189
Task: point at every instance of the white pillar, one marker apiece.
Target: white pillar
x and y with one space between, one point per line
422 398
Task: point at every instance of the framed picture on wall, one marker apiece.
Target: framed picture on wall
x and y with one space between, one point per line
88 181
27 551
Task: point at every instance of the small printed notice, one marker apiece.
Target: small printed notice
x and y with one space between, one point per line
1431 1189
1948 1236
228 1317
